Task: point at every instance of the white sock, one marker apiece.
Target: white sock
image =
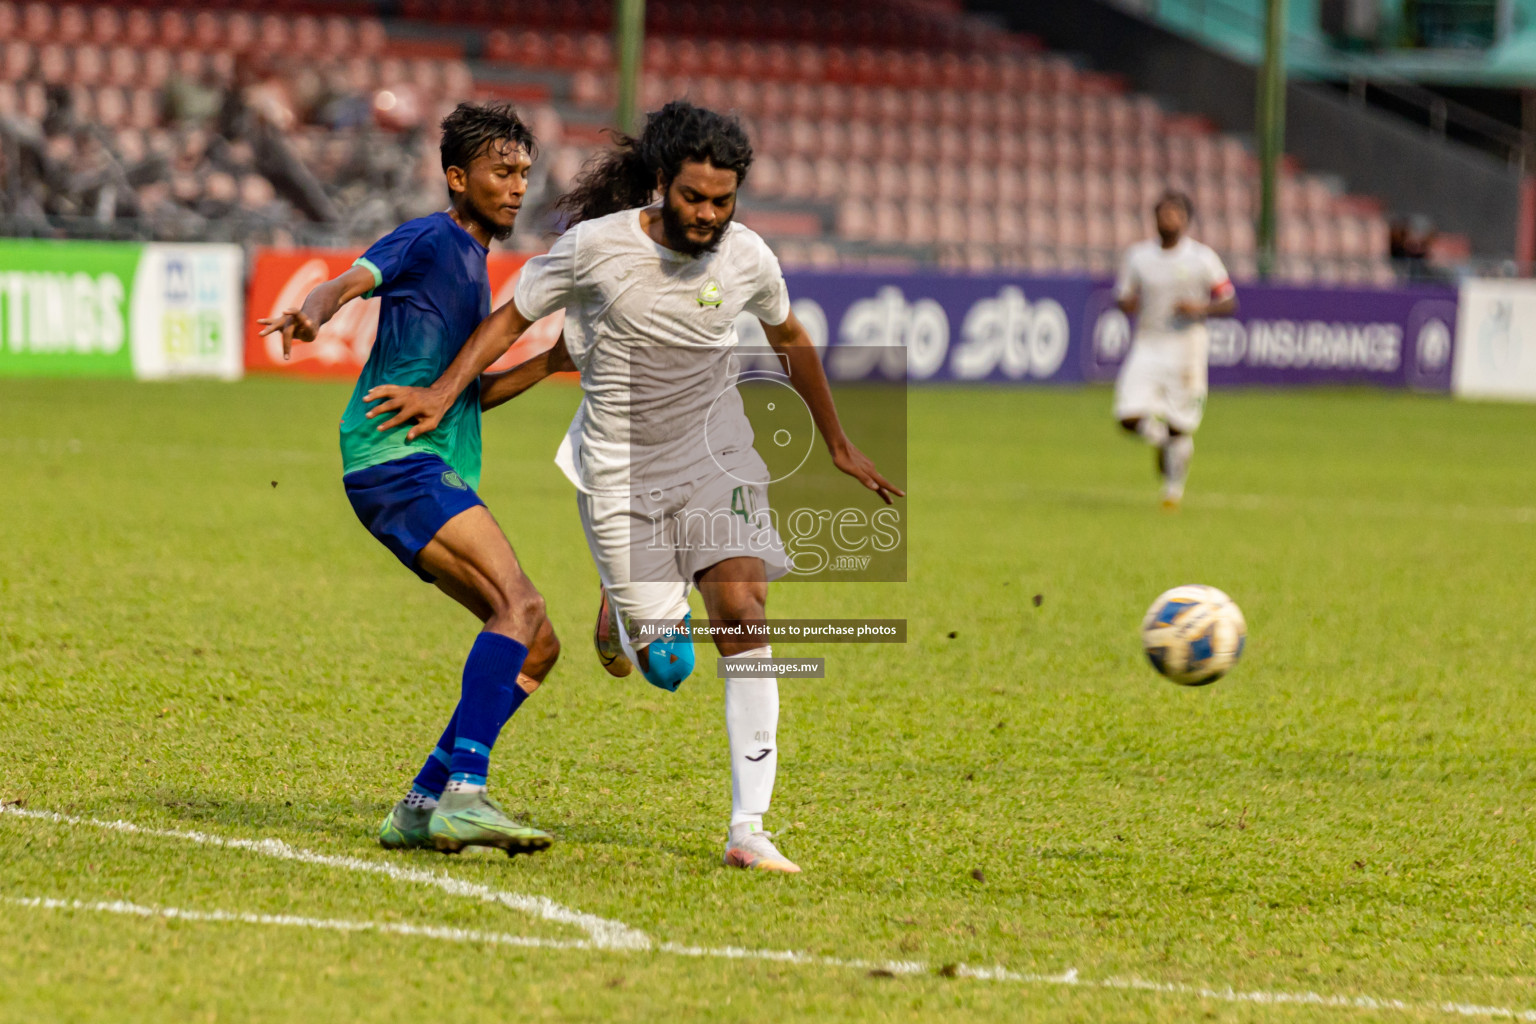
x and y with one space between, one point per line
460 786
752 722
1153 430
419 801
1176 458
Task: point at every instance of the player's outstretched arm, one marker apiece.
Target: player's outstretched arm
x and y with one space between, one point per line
808 378
427 406
320 305
496 388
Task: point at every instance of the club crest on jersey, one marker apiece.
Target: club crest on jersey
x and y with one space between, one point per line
709 295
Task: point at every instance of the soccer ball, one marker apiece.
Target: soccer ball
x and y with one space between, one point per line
1193 635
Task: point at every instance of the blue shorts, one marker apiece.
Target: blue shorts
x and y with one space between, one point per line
405 502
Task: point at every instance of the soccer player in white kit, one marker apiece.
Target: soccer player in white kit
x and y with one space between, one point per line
1170 284
660 450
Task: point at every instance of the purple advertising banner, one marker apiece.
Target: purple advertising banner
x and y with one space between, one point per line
1062 330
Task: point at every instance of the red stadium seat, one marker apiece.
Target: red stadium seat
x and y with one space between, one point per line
1009 228
206 31
337 36
52 64
172 29
1213 232
948 183
858 178
799 178
766 179
979 226
1010 150
1039 187
890 180
33 101
832 101
111 107
863 142
37 22
980 183
1066 155
16 60
371 37
919 225
829 178
143 109
979 147
596 52
426 75
90 67
1124 191
272 34
138 29
305 37
831 139
1128 229
741 97
1295 238
887 225
1325 236
855 222
71 25
588 88
1039 227
803 101
809 63
1010 186
922 181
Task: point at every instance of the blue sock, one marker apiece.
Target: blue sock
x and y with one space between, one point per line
433 776
489 698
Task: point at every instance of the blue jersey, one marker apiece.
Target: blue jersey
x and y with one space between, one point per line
431 276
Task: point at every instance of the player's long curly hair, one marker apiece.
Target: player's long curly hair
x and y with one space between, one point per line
627 176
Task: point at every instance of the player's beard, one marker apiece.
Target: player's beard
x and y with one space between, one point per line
500 232
677 236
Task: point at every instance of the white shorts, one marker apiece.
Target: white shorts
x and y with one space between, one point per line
1166 381
649 548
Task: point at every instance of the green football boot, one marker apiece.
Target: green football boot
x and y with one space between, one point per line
473 819
406 828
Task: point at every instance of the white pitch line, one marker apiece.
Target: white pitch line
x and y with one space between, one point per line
904 968
603 933
292 921
614 936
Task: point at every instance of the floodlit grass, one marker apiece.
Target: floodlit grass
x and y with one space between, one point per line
196 634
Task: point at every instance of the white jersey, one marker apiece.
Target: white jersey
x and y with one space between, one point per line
653 333
1163 278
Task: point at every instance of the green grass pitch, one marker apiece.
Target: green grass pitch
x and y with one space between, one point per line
197 636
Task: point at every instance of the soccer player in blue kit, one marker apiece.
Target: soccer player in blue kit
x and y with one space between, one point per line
415 491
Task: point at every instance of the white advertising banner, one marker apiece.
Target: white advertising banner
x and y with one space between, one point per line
186 309
1496 340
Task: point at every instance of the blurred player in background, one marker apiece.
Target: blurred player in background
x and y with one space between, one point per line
416 493
652 292
1170 285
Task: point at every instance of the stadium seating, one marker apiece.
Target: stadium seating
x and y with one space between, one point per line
934 138
928 150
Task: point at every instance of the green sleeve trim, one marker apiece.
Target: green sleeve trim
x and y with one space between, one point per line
378 277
